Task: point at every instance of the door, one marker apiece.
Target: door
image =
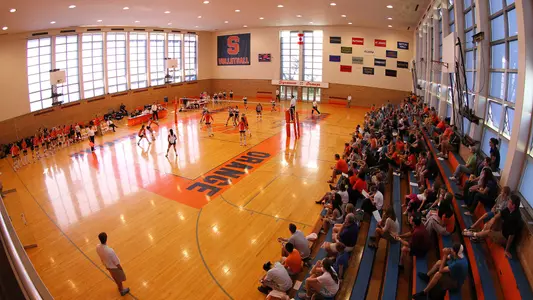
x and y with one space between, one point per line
310 94
286 92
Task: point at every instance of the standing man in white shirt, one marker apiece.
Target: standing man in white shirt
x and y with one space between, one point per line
315 107
112 263
349 100
277 95
90 134
293 107
155 116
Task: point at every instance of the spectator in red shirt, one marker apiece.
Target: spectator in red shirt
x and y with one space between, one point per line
444 145
441 126
420 241
340 167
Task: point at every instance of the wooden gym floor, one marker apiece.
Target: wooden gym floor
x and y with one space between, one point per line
173 239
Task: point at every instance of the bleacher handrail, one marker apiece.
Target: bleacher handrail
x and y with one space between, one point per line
29 281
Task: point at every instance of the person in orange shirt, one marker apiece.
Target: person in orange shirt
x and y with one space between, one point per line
24 147
293 262
340 167
247 125
444 145
208 120
15 154
36 145
242 131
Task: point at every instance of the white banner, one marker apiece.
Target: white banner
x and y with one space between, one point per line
369 51
301 83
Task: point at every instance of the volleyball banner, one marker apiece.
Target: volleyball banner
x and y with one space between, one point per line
233 50
391 73
403 45
391 54
368 71
380 62
402 65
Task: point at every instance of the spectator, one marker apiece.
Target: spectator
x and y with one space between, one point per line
298 240
323 281
485 192
334 214
293 262
511 226
110 260
501 204
420 242
358 188
340 167
374 202
387 228
447 274
341 264
277 278
473 181
347 237
469 168
494 155
444 141
442 222
415 202
348 210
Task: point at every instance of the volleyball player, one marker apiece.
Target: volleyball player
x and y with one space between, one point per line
24 147
235 115
15 154
315 107
246 124
215 98
230 115
150 128
172 138
142 135
231 94
242 132
273 105
224 94
36 145
208 120
245 100
259 111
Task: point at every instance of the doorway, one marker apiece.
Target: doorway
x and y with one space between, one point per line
311 94
286 92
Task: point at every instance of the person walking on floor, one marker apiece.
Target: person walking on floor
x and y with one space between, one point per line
349 100
315 107
110 260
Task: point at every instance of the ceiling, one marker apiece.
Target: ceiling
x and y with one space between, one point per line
34 15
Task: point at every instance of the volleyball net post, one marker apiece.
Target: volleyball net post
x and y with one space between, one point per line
294 121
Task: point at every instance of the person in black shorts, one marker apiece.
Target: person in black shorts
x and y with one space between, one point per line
172 138
259 111
235 115
245 100
230 115
231 94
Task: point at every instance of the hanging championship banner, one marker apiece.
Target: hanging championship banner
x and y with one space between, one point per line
403 45
391 73
233 50
402 65
391 54
380 62
334 39
368 71
346 50
357 60
358 41
335 58
380 43
346 69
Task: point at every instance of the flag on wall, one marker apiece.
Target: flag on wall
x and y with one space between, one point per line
380 43
402 65
390 73
334 39
233 50
358 41
346 69
403 45
335 58
380 62
346 50
357 60
391 54
368 71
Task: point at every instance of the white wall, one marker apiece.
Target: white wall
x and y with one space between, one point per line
266 40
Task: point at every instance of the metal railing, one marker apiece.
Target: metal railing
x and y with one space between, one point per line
29 281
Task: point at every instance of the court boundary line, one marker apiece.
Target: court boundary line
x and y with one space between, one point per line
62 232
264 214
259 192
203 259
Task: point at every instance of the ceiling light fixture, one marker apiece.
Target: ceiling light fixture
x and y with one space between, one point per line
12 10
344 16
245 26
126 8
333 4
389 18
137 21
196 26
226 22
310 22
199 17
280 6
99 21
390 26
53 22
169 24
4 28
261 18
389 6
167 12
237 10
206 2
72 6
350 23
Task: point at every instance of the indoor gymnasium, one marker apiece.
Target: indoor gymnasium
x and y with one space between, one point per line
266 150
